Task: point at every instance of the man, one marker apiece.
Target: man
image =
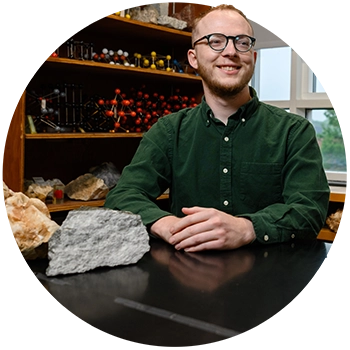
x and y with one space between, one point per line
238 170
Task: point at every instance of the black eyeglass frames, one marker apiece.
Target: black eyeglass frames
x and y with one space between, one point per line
218 42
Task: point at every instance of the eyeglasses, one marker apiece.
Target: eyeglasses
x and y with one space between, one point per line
218 42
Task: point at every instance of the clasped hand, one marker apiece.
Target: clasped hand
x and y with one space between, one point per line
204 229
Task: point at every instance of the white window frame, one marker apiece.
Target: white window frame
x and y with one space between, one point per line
302 99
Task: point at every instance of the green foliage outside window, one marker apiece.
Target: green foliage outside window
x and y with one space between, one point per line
331 143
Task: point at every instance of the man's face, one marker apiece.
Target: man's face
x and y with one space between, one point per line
228 72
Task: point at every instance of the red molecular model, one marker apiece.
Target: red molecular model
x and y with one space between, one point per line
139 111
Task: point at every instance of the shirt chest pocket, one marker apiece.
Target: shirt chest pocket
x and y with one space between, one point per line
260 184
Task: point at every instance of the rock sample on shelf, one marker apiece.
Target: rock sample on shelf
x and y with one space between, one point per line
108 172
172 22
38 191
40 188
30 222
96 237
333 220
147 14
156 14
86 187
187 15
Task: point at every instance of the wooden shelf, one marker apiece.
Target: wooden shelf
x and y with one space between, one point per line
130 23
163 196
326 235
78 135
73 204
337 197
71 63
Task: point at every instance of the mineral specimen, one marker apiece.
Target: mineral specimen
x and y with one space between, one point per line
96 237
30 222
38 191
171 22
107 172
333 220
86 187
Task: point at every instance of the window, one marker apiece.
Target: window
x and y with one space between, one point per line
272 77
284 80
330 138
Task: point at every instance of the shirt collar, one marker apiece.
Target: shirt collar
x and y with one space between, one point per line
245 111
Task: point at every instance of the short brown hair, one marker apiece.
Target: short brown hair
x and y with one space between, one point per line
217 8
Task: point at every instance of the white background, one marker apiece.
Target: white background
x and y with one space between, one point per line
28 29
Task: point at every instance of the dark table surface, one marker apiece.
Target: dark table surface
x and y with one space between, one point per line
173 298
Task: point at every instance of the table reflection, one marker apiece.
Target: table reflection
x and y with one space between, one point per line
204 271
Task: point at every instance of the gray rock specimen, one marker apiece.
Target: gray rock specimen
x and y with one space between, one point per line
86 187
147 14
107 172
96 237
157 15
171 22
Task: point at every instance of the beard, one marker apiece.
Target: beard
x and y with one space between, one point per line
220 89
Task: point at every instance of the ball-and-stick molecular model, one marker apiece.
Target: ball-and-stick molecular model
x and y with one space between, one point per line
63 110
43 109
118 57
140 110
153 61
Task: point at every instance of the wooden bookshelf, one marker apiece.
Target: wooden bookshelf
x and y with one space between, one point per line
78 135
74 204
121 69
66 155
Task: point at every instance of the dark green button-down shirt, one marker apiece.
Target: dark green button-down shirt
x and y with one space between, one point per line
264 165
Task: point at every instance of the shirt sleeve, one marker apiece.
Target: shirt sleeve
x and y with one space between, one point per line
145 178
305 193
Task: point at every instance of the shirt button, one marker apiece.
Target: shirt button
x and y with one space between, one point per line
293 235
225 170
225 203
226 139
266 238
